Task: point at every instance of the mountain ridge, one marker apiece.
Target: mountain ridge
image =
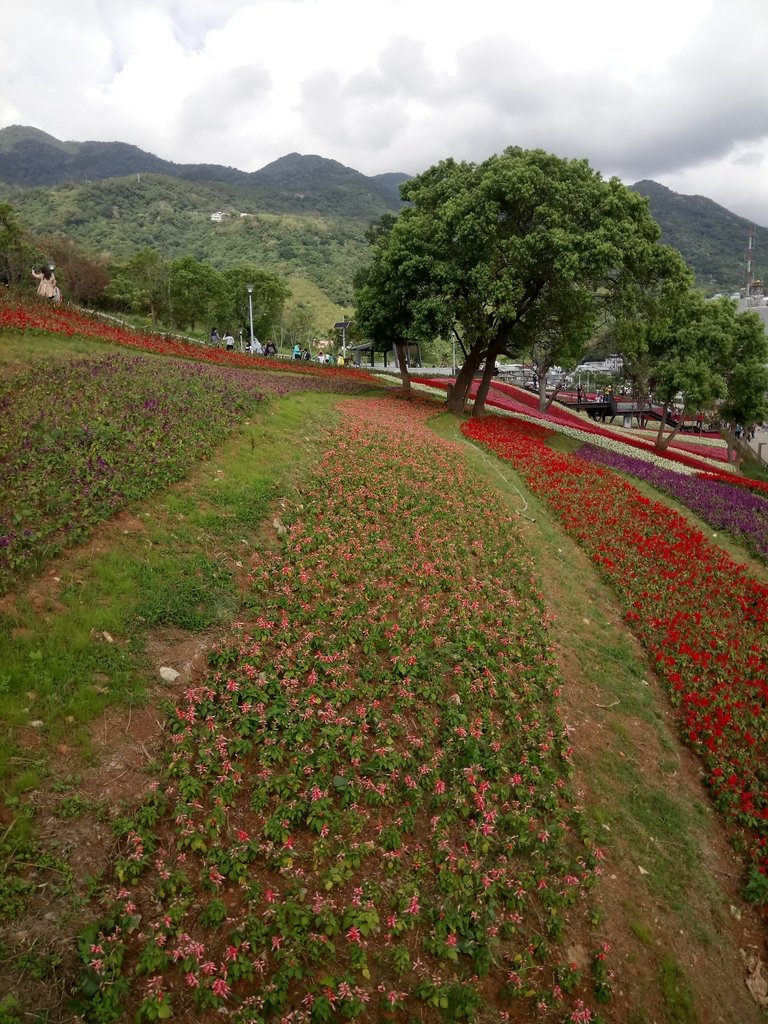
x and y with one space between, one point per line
31 158
711 239
91 179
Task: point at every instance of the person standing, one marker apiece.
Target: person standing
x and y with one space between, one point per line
215 337
46 279
297 351
229 341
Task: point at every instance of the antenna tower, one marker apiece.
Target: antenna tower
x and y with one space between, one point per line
750 254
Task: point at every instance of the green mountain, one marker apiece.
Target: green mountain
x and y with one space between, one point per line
712 240
30 158
302 216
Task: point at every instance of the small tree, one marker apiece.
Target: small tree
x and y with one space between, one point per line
141 285
268 298
298 324
745 372
16 252
195 291
83 278
695 354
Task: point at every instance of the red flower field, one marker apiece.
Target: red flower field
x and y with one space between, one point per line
697 612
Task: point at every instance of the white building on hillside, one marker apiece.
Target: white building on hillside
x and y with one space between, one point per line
611 364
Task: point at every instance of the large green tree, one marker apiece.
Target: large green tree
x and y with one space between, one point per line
268 298
702 355
195 290
523 249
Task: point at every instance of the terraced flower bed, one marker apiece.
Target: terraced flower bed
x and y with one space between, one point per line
80 439
697 612
47 318
523 404
739 511
365 811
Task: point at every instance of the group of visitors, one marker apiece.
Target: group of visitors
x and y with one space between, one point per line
302 353
254 348
228 339
748 434
323 358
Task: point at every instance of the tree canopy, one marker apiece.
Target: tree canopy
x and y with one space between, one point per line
16 252
525 248
696 355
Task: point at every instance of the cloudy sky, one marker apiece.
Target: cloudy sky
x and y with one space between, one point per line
674 90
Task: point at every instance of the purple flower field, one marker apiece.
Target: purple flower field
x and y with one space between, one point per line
80 439
741 513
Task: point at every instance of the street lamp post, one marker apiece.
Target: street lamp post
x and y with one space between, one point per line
250 312
342 326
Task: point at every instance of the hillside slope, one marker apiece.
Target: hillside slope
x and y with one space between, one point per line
300 214
712 240
30 158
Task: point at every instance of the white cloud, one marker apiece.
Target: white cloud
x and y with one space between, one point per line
676 91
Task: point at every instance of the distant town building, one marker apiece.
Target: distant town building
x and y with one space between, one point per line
611 364
755 303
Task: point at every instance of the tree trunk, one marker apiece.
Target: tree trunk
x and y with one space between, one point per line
549 399
730 440
401 347
479 407
542 377
662 442
457 400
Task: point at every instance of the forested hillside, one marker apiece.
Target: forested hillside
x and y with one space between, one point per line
302 216
712 240
120 216
294 183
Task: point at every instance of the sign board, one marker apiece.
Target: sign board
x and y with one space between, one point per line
342 325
